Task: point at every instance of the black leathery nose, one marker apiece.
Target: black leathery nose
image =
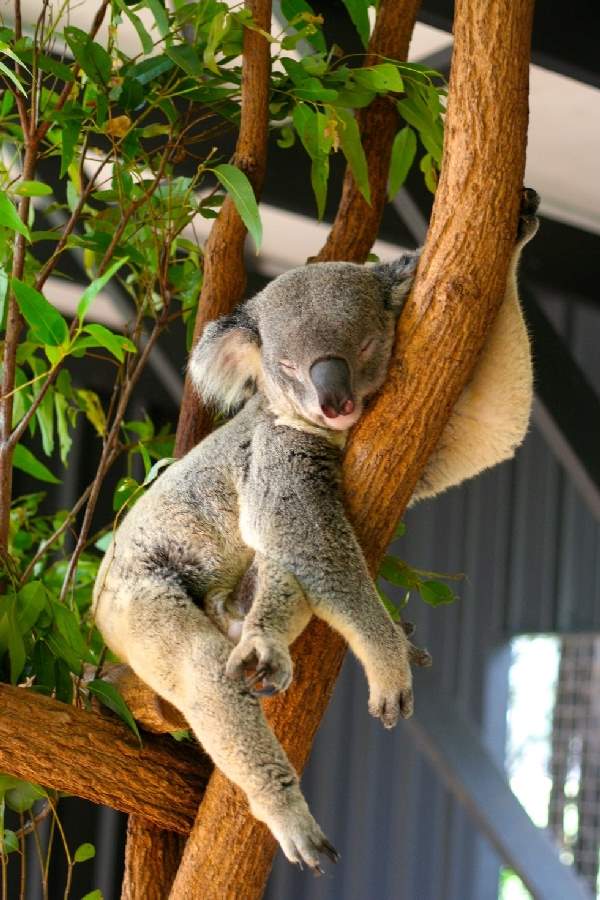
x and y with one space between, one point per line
331 378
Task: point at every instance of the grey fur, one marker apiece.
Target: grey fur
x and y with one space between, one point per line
256 509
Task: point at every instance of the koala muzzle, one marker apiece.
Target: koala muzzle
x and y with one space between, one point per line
331 378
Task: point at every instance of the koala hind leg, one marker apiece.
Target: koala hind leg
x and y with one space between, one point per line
177 650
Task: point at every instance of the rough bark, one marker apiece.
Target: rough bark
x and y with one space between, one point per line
152 856
456 295
95 756
224 271
357 222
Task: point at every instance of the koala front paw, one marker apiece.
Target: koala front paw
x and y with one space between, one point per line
389 706
263 662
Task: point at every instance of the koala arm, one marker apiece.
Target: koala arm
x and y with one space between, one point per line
491 417
292 514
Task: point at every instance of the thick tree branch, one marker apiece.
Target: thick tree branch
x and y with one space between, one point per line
224 271
152 856
93 755
457 292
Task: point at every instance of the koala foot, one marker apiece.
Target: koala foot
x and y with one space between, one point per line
263 662
301 839
528 221
389 707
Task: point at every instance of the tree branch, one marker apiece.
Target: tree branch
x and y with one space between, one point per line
93 755
458 289
224 271
357 222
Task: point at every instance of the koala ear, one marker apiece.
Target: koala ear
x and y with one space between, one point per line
397 278
226 363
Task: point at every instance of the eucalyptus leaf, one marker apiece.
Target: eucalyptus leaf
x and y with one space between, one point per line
404 149
240 190
117 344
358 11
93 289
84 852
46 323
352 149
109 695
33 189
24 460
9 217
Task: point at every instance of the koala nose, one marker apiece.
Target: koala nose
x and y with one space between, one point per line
331 378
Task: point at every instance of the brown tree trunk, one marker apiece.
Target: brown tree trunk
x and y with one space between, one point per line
357 222
456 295
95 756
224 271
152 857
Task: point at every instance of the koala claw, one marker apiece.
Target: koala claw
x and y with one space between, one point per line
303 842
261 661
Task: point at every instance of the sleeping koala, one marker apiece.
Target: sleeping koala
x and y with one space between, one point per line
220 565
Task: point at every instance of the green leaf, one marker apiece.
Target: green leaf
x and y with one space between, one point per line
8 73
299 12
310 126
126 488
16 646
93 289
62 425
22 797
46 323
145 39
94 895
288 137
9 217
24 460
436 593
149 69
69 628
109 695
117 344
62 650
429 170
3 295
90 403
382 78
10 842
157 7
404 149
93 59
352 149
416 112
240 190
33 189
312 89
184 56
397 572
358 12
84 852
31 600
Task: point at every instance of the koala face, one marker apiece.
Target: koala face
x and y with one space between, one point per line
326 335
317 341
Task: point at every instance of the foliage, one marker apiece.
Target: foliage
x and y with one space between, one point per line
109 156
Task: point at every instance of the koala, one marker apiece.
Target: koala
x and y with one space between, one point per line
220 565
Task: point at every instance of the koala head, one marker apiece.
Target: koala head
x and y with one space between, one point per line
316 341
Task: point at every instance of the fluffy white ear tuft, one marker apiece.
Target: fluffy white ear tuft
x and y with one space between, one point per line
225 364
